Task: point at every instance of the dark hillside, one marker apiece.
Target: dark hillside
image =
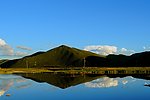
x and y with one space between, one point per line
62 56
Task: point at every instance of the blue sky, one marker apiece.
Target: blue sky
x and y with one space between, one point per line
44 24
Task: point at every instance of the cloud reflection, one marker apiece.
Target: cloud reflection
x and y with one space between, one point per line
8 81
107 82
124 82
102 82
5 86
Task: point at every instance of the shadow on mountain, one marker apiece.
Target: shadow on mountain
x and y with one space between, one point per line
67 80
92 61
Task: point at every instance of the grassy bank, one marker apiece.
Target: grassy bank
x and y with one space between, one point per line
79 70
22 70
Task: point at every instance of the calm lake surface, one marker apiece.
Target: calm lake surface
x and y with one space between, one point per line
74 87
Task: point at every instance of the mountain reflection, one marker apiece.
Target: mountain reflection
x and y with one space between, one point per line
63 81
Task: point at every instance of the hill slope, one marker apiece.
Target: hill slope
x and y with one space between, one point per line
139 59
64 56
136 60
61 56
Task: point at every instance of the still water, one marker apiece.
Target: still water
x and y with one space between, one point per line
74 87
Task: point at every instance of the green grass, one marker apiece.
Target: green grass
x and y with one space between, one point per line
79 70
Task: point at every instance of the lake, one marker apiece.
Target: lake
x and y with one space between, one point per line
50 86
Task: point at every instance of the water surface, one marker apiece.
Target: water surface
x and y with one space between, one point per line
74 87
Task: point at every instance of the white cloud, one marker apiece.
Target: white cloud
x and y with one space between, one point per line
126 51
106 50
103 50
146 48
2 42
24 48
5 49
102 82
18 53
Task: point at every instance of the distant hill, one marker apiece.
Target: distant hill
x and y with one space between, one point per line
117 60
64 56
139 59
136 60
3 61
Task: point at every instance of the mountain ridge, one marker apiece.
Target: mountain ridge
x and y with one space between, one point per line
64 56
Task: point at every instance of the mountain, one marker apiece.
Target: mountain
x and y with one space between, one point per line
117 60
3 61
95 61
62 56
139 59
136 60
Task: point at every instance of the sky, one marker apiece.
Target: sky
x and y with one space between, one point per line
101 26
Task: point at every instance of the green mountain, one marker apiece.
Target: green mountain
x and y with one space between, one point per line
3 61
62 56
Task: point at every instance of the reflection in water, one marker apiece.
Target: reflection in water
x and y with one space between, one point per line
61 80
6 84
23 86
67 80
124 82
107 82
102 82
26 89
8 81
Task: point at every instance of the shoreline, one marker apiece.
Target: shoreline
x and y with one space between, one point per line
79 70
